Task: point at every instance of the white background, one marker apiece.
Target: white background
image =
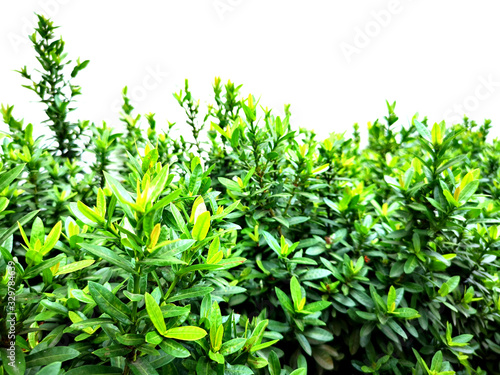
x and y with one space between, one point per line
335 62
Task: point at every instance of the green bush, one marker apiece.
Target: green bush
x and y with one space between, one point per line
249 248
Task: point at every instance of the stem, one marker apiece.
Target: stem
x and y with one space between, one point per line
157 279
171 288
137 290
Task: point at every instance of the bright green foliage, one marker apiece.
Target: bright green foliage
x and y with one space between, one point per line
247 247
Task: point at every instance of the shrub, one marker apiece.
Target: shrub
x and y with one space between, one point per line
248 248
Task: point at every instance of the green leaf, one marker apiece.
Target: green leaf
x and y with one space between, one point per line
282 221
108 255
15 365
51 355
377 299
318 334
306 261
257 334
420 360
286 303
262 346
437 361
237 370
73 208
449 286
172 248
271 241
120 193
53 368
201 226
216 357
366 315
408 177
197 291
314 274
198 267
450 163
397 328
155 314
24 220
109 303
365 333
7 177
406 312
142 367
386 330
230 184
75 266
54 306
39 268
468 191
179 220
4 202
248 176
296 292
303 343
161 262
152 337
93 370
423 130
166 200
317 306
186 333
226 211
274 364
397 269
232 346
112 351
462 339
91 323
81 296
174 349
410 264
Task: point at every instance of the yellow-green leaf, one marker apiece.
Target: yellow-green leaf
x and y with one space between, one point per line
101 203
155 235
437 136
88 213
216 337
23 234
155 314
391 299
198 208
75 266
187 333
52 238
201 226
320 169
